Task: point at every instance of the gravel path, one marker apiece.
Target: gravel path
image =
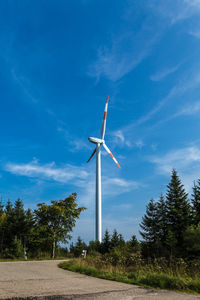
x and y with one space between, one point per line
44 280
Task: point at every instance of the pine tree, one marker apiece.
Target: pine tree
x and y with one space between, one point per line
79 247
19 220
149 223
150 231
121 240
2 227
195 213
133 244
114 239
177 212
8 232
106 245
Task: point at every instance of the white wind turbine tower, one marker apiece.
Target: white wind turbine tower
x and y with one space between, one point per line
100 142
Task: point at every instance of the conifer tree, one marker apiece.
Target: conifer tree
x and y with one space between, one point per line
195 210
177 212
8 232
114 239
106 245
2 227
133 244
149 223
162 225
79 247
19 220
121 240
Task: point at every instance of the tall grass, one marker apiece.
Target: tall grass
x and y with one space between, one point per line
175 277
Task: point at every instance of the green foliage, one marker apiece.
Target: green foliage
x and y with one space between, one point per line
178 212
166 221
106 245
15 250
77 249
142 275
58 219
39 231
192 240
195 209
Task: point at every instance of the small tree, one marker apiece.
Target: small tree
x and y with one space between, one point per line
106 245
150 229
79 247
133 245
58 219
114 239
192 240
195 211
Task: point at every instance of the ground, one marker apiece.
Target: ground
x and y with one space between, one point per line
44 280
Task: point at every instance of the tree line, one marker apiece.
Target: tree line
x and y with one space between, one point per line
171 225
170 228
39 232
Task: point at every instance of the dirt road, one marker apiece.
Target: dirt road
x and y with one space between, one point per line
44 280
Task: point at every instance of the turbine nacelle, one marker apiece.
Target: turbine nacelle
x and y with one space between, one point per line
95 140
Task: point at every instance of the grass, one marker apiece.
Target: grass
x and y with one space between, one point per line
143 278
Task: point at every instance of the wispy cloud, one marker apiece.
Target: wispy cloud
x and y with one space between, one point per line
185 160
187 110
195 33
191 109
119 139
75 144
24 85
127 47
177 159
47 171
163 73
115 62
78 176
184 85
175 11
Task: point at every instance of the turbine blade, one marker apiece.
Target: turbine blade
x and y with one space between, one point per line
109 152
92 155
103 126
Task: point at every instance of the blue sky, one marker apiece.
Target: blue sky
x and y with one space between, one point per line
58 62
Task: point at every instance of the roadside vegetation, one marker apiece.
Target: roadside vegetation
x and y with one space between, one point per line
167 257
37 234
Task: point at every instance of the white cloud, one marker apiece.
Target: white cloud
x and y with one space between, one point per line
139 144
47 171
119 139
195 33
79 144
179 159
189 109
175 11
24 85
75 144
186 161
163 73
127 45
116 62
79 176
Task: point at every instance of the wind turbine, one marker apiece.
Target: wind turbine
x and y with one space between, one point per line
100 142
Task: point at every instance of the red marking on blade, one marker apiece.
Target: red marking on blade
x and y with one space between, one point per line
111 155
104 115
107 99
118 165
